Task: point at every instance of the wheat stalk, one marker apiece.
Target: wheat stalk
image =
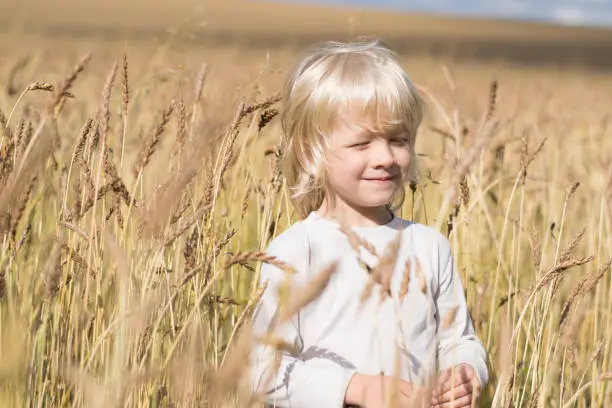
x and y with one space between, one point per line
306 295
151 145
583 287
125 101
243 258
63 90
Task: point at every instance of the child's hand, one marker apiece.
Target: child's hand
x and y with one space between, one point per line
374 391
462 389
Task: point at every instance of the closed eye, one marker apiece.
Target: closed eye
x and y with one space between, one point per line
360 145
400 141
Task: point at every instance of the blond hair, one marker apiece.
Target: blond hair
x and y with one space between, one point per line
332 80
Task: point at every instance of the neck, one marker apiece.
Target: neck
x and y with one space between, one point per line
354 216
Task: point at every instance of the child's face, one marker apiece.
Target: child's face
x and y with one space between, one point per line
365 169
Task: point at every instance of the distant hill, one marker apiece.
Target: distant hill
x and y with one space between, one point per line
255 23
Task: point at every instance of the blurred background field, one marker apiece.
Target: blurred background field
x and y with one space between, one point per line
134 204
288 23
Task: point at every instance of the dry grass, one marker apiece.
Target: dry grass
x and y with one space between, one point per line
139 192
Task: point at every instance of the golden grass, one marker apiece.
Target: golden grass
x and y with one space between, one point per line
272 17
140 187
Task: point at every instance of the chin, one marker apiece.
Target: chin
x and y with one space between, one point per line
369 198
376 203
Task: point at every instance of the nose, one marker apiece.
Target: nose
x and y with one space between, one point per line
382 155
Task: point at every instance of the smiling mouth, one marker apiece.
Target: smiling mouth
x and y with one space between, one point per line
381 179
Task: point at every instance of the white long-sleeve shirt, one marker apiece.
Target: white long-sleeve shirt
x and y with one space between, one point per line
337 335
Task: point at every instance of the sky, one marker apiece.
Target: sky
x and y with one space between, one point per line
568 12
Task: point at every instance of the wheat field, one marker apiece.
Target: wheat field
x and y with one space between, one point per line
140 183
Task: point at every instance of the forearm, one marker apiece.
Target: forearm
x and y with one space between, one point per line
457 340
468 352
301 383
458 343
355 390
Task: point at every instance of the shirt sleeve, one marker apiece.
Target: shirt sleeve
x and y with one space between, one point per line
458 343
298 382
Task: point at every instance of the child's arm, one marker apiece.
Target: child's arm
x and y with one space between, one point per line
298 382
457 341
374 391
